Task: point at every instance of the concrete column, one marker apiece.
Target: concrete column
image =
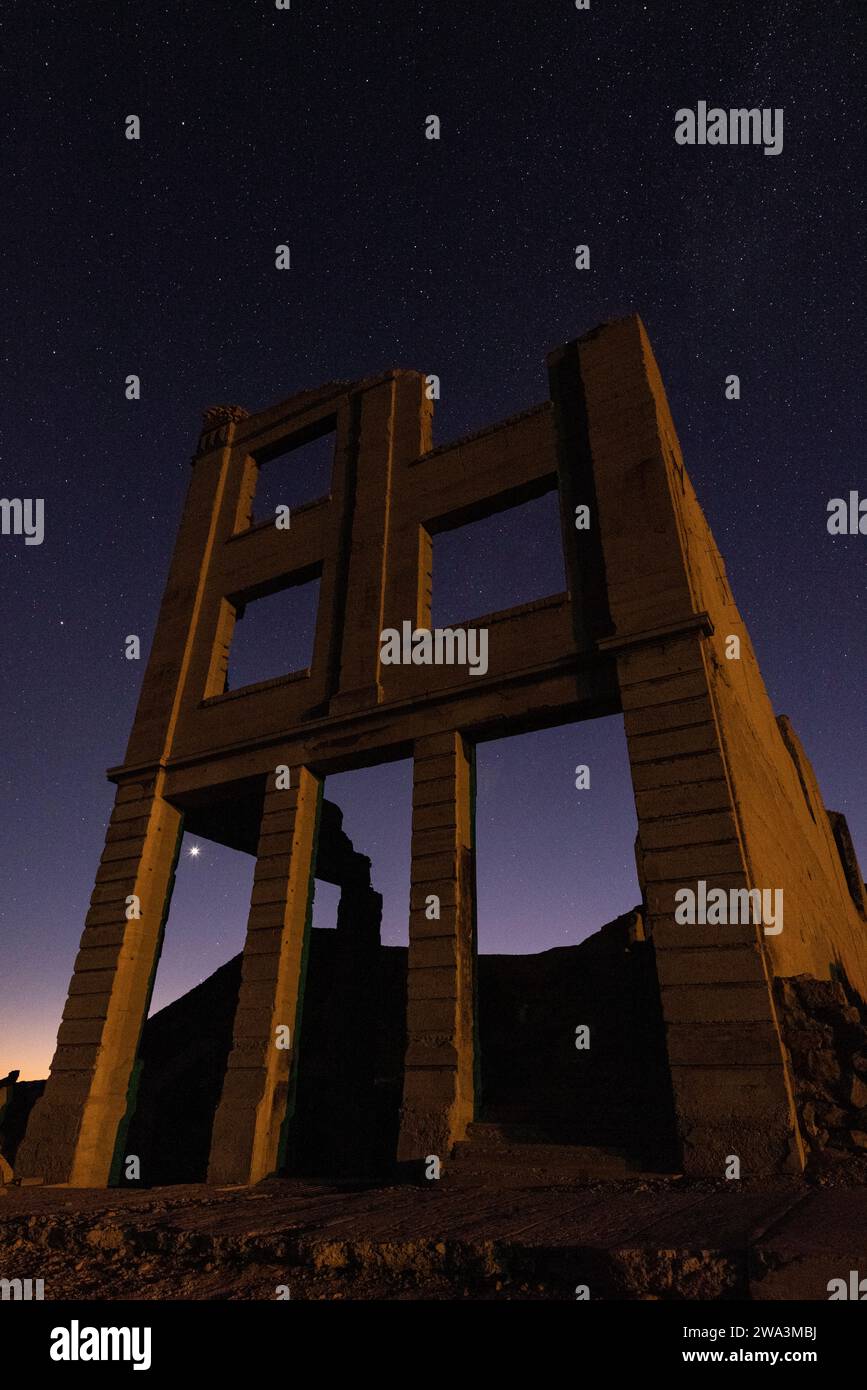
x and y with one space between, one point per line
250 1125
74 1129
732 1092
393 428
353 1043
206 521
438 1095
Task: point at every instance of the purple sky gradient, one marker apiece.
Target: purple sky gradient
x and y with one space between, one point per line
454 257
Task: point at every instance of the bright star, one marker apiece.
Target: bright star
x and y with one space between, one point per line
194 851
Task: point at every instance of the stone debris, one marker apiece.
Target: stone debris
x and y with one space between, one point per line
824 1028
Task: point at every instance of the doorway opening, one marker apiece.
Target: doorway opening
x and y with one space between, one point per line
352 1032
569 1033
187 1037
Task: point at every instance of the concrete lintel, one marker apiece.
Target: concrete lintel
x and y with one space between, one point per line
696 622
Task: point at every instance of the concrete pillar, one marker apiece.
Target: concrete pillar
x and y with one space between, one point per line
351 1094
393 428
74 1129
172 675
438 1095
732 1091
250 1125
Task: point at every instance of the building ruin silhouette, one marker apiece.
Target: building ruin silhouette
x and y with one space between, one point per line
723 790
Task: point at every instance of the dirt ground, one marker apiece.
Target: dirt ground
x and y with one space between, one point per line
665 1238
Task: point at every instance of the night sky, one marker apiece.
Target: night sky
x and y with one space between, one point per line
456 257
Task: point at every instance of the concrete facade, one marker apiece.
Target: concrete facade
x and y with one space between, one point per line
723 790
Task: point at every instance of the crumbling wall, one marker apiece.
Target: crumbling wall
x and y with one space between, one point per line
17 1099
825 1030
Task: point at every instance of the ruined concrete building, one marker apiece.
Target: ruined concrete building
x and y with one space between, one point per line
724 793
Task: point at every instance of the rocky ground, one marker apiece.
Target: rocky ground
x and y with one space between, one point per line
825 1030
476 1235
640 1239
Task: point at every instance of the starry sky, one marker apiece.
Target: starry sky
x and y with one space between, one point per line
306 127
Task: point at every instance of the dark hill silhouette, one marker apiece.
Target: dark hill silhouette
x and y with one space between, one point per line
532 1080
345 1123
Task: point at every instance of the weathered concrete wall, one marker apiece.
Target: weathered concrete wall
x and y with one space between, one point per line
439 1070
786 835
249 1135
723 791
717 790
74 1127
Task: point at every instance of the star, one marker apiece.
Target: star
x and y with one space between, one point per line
195 851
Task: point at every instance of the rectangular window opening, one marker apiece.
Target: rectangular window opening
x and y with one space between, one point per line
510 557
326 901
293 473
273 635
